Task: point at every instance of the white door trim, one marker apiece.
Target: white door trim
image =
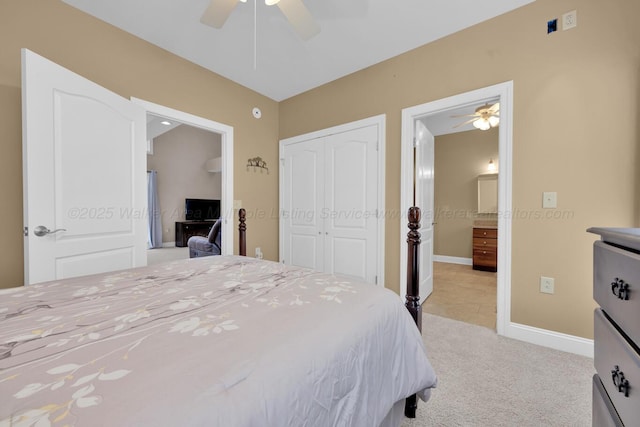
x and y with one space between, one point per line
505 135
226 133
380 121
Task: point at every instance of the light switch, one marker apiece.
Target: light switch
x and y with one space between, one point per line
550 200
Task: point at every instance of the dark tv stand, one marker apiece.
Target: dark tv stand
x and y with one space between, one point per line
186 229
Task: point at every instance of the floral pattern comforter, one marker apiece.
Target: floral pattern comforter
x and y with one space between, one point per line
216 341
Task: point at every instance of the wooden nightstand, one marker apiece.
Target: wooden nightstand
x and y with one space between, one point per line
485 249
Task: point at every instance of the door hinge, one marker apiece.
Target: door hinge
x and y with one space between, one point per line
376 280
282 162
415 142
25 231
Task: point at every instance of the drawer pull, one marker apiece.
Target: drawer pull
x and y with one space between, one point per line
621 383
620 289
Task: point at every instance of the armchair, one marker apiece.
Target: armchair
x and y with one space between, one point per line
200 246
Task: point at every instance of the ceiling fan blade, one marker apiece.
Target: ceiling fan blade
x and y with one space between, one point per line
466 115
217 13
495 108
466 123
300 18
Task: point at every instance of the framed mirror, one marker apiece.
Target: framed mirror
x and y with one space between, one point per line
488 193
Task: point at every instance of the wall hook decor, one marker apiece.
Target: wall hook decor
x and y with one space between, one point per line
257 164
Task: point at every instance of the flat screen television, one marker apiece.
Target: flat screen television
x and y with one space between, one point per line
201 209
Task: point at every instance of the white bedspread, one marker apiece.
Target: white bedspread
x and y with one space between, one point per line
217 341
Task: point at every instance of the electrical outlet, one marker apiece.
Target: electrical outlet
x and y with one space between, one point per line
259 254
547 285
570 20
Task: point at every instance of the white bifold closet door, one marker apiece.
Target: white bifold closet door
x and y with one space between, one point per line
329 203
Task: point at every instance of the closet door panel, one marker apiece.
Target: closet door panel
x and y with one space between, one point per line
350 203
303 197
348 256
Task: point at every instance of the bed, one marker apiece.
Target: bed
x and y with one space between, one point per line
213 341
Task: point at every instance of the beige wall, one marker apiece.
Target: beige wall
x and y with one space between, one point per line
575 131
131 68
179 157
576 126
458 160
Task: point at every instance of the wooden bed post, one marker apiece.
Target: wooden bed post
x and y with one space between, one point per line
412 301
242 232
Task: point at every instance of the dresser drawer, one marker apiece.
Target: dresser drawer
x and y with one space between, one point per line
604 414
484 243
616 287
489 233
615 360
485 256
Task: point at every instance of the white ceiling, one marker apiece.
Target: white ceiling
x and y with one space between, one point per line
354 34
157 125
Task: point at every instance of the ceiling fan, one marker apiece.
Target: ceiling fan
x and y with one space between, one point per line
295 11
484 118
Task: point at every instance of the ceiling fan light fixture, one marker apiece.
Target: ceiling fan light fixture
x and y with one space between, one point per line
488 117
295 11
482 124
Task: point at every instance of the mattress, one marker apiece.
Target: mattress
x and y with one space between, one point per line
215 341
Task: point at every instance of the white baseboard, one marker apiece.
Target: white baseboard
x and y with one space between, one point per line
530 334
168 244
453 259
551 339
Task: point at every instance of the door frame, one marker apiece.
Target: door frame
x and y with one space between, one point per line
380 121
503 91
226 138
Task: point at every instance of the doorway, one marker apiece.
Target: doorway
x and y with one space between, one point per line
502 92
226 139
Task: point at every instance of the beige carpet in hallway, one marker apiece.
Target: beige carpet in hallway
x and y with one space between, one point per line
462 293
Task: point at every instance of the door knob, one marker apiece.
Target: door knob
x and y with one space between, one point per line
41 230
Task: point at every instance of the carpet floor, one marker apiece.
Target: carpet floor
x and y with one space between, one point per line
489 380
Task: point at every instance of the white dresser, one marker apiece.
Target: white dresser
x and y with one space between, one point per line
616 289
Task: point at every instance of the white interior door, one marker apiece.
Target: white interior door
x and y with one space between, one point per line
424 200
350 223
302 190
84 162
